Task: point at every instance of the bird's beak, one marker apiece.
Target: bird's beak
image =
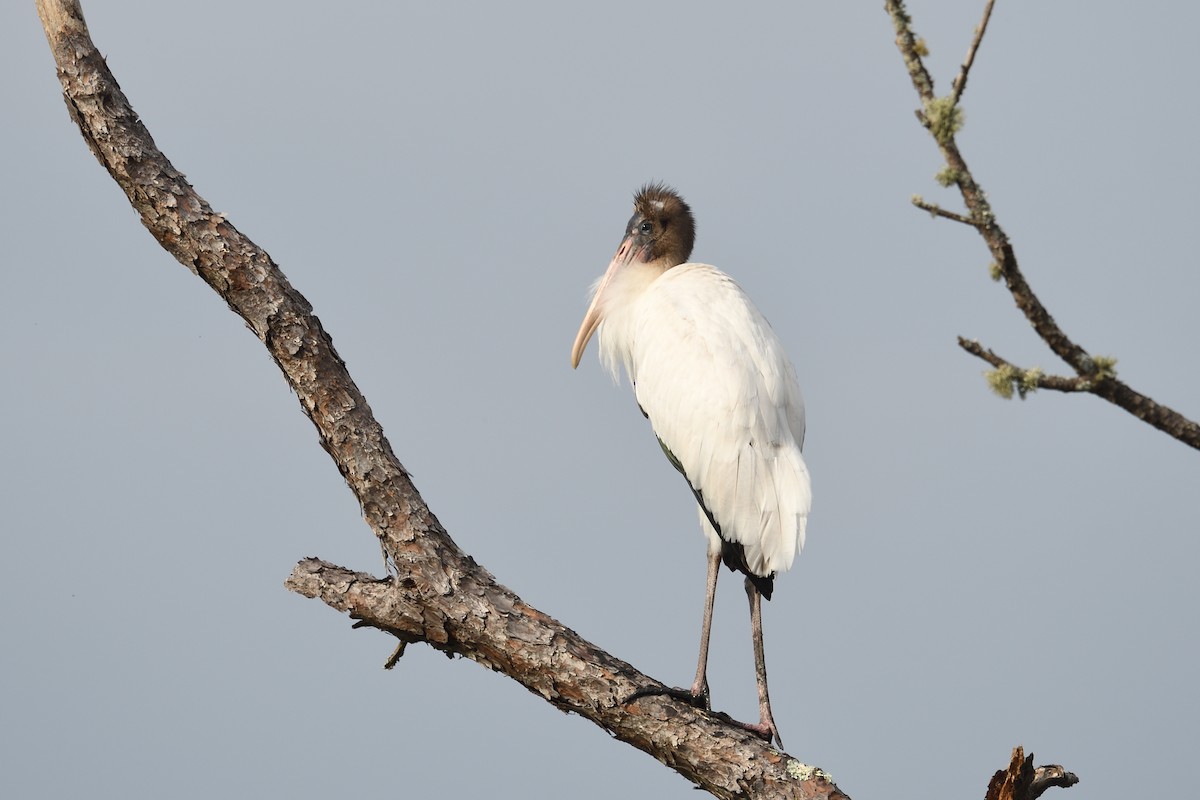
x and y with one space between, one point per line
591 320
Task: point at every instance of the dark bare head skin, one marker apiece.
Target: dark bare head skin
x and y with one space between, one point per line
662 227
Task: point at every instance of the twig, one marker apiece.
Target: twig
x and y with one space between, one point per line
960 82
1023 380
396 655
938 211
938 116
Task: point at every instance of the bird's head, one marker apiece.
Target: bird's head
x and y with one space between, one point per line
660 235
662 229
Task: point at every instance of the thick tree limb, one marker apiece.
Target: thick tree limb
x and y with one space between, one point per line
942 117
487 623
439 595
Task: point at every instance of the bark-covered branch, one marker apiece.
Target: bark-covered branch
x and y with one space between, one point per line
487 623
942 117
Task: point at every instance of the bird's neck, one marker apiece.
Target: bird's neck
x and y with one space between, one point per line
620 311
628 285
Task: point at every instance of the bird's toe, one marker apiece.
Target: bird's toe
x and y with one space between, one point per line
700 701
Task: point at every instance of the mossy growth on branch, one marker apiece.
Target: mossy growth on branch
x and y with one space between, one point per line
1006 379
944 118
1103 367
947 176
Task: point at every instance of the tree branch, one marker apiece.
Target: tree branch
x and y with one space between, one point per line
937 211
942 117
1016 378
1049 776
488 624
1021 781
439 594
960 82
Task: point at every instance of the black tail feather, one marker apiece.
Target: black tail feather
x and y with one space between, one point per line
734 557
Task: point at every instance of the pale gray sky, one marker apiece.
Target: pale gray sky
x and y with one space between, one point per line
443 183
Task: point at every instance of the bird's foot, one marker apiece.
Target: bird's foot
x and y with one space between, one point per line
765 730
700 700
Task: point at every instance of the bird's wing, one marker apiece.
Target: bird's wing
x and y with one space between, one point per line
723 399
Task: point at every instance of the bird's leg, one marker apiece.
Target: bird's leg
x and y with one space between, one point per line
698 694
766 723
700 685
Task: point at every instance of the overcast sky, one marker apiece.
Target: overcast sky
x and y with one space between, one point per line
443 184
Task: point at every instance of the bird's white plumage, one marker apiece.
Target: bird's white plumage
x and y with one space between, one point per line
721 395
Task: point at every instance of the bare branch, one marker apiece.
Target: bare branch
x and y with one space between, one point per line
960 82
1019 379
938 211
976 199
439 594
940 117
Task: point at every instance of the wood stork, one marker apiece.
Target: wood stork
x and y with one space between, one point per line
722 398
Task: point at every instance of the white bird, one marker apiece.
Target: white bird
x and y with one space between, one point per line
722 397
